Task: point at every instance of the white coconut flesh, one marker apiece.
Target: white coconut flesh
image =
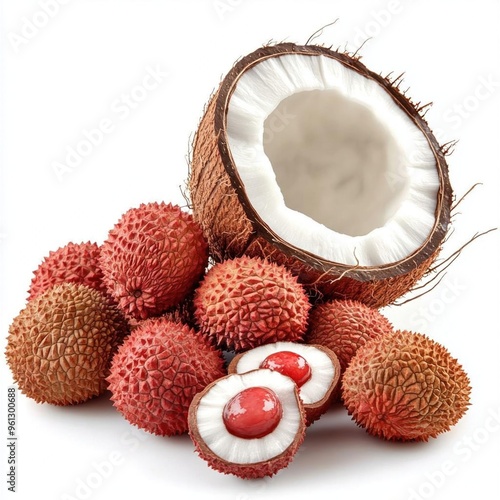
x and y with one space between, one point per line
211 427
330 162
322 368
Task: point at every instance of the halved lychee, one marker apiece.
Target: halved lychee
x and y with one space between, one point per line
314 368
249 425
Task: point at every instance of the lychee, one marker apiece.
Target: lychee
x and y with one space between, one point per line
153 258
60 345
71 263
158 370
314 368
344 326
246 302
405 386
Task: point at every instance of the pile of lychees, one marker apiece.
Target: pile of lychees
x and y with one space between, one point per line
235 352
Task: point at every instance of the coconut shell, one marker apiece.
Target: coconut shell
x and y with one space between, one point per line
233 227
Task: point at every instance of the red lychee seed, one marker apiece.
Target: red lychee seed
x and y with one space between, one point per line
252 413
289 363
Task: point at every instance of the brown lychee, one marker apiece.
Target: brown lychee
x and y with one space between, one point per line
405 386
60 345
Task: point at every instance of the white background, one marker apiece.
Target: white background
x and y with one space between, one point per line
63 74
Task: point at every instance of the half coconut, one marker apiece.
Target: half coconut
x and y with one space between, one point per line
306 157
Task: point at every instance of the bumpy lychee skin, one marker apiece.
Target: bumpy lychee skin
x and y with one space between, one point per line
157 372
72 263
405 386
246 302
153 258
181 313
344 326
60 345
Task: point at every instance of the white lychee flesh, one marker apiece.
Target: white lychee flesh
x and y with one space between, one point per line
236 450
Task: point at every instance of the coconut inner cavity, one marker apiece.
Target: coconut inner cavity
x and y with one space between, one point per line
333 159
